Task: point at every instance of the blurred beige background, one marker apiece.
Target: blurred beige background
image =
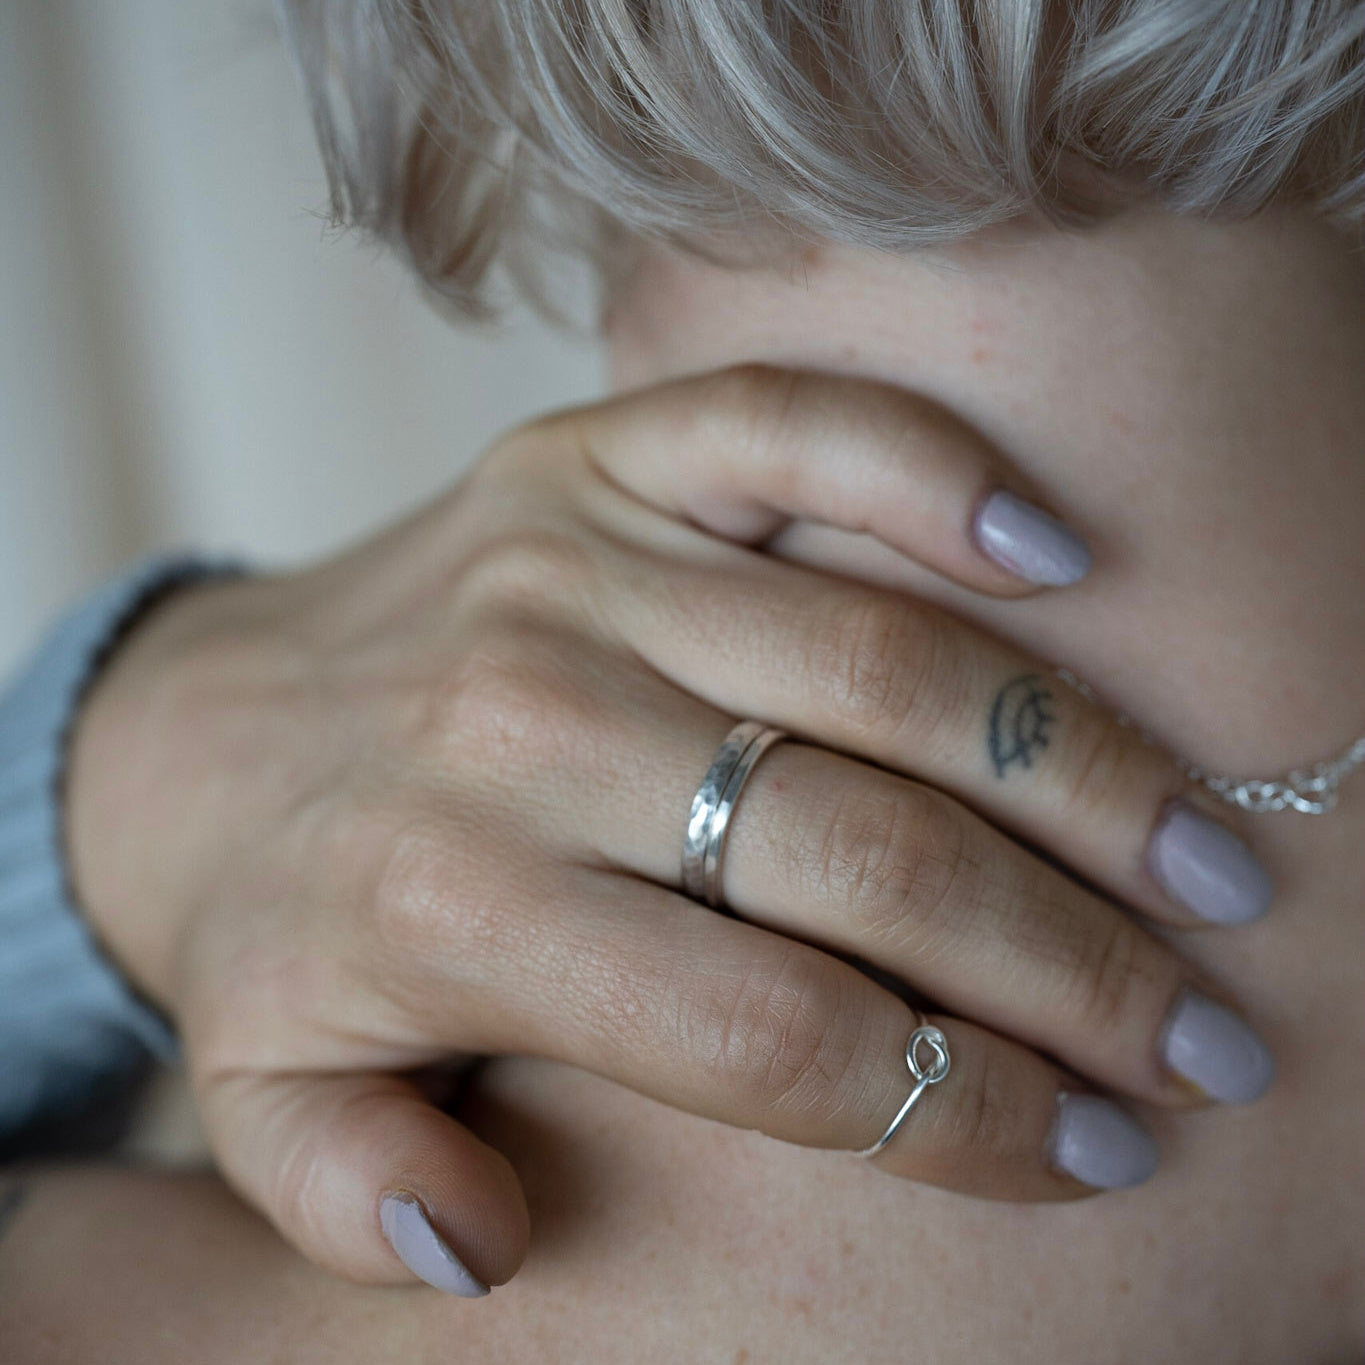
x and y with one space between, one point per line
190 357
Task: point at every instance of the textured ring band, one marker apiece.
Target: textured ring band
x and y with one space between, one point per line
712 860
712 806
934 1040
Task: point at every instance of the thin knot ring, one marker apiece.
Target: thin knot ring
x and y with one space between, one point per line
931 1038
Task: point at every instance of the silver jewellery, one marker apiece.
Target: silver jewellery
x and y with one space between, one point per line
712 806
703 851
933 1039
1311 791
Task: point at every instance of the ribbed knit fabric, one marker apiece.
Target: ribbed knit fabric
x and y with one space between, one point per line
68 1021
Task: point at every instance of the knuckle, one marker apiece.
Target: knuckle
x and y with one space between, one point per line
292 1196
1102 761
980 1128
785 1033
508 707
529 570
856 655
1107 975
307 1183
1086 958
515 694
748 407
903 865
413 889
446 912
533 451
885 666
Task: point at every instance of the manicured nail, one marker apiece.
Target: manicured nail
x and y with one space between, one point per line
1028 542
1208 1045
1095 1142
1207 868
423 1250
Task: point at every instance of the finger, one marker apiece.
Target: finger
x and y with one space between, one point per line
850 857
835 851
601 970
733 1023
1008 1104
366 1178
865 862
743 451
909 687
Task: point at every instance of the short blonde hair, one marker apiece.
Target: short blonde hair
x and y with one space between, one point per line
448 126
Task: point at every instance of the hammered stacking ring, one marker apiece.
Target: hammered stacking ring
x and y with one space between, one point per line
714 803
933 1039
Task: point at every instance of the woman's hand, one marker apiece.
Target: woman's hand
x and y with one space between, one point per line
428 799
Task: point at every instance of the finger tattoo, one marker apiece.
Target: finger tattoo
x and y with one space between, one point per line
1019 721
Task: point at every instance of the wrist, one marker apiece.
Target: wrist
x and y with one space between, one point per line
128 819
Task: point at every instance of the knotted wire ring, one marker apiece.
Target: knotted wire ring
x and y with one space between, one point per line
933 1039
714 803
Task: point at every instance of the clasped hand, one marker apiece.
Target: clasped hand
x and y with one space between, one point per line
426 800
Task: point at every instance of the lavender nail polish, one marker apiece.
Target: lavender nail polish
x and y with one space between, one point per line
1028 542
1095 1142
1207 1044
423 1250
1207 868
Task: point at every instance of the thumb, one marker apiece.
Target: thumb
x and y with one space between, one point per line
367 1179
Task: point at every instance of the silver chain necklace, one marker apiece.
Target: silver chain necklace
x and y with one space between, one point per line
1311 791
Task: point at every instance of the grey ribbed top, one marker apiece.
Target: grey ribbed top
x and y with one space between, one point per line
68 1021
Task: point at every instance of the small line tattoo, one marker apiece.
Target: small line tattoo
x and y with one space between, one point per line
10 1200
1019 722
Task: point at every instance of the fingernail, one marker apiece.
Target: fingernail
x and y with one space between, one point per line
1098 1144
1208 1045
1028 542
1208 868
423 1250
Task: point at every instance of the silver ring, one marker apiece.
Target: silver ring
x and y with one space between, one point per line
934 1040
704 845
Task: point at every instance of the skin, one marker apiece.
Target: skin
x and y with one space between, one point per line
408 819
1197 409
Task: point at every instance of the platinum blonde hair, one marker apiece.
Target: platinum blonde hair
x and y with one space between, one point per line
468 132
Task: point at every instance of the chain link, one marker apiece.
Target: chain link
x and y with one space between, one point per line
1310 792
